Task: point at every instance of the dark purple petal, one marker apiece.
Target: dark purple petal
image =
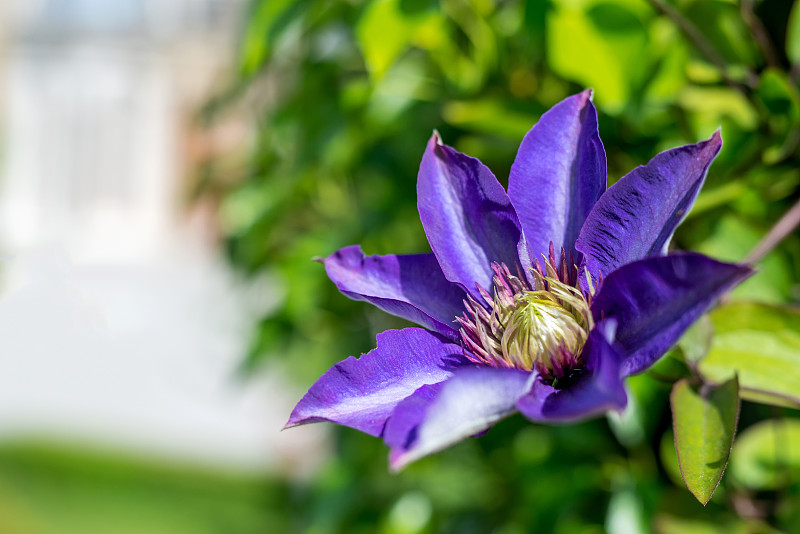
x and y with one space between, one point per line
467 216
558 175
637 216
655 300
599 389
435 417
362 392
411 286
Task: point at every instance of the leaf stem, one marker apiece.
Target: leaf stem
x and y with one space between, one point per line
784 227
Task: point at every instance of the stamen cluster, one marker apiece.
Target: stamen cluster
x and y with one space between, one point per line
543 326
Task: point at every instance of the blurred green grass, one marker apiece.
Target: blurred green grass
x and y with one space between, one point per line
47 487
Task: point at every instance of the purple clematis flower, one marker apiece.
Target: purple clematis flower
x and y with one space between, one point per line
541 300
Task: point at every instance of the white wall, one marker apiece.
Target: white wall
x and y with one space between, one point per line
118 322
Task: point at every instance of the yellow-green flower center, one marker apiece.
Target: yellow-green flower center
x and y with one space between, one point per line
543 327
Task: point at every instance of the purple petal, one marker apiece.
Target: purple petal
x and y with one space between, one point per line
655 300
401 428
597 391
411 286
400 431
435 417
362 392
467 216
637 216
558 175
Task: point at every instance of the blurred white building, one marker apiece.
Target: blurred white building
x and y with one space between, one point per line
96 95
118 324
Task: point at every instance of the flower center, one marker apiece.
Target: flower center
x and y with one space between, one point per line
543 327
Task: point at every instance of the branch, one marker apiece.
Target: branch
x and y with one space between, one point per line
779 232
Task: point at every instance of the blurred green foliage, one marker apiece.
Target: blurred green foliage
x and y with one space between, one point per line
343 96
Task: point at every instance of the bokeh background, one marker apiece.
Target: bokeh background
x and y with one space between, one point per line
170 167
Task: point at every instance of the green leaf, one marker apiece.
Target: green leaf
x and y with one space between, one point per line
711 105
385 32
781 98
603 45
257 40
696 341
488 115
793 35
767 455
722 26
704 420
733 237
761 345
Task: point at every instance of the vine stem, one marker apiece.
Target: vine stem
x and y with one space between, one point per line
784 227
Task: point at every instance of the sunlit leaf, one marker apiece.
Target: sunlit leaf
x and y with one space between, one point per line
256 43
767 455
601 44
385 31
467 65
761 344
489 116
696 341
704 421
712 105
673 56
793 35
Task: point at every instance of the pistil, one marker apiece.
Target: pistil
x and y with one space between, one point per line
541 326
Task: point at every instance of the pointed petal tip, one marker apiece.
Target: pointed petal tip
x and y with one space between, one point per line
711 146
397 461
293 421
716 137
579 100
561 159
656 299
746 270
299 420
436 147
300 417
583 99
344 251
